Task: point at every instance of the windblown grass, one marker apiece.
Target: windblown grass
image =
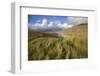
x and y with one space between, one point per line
45 46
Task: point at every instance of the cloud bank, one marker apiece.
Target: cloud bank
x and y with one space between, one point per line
77 20
49 26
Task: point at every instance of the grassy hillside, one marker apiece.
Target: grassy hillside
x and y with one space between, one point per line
64 44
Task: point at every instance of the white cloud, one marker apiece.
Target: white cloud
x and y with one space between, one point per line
44 23
50 24
64 25
77 20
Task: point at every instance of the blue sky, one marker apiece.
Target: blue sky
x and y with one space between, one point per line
32 19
